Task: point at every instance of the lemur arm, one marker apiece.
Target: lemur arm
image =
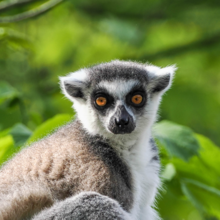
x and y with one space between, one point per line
86 205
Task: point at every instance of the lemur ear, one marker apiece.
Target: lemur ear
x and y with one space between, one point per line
160 78
74 84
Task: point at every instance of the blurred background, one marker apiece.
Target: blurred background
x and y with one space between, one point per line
78 33
41 40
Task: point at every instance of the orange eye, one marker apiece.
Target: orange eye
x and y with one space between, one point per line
101 101
137 99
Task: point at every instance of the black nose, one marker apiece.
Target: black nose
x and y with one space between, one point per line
120 122
122 118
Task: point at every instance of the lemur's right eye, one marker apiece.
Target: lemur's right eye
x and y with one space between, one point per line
137 99
101 101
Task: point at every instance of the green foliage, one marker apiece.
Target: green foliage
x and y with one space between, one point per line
34 52
20 134
7 92
191 179
49 126
178 140
80 33
6 146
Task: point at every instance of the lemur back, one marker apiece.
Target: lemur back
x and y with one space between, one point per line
107 150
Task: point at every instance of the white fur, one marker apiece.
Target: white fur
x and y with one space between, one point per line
145 172
83 111
118 88
76 78
156 72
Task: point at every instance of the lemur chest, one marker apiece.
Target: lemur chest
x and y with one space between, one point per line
95 167
139 170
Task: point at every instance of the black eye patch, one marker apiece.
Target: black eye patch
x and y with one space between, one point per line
101 93
136 91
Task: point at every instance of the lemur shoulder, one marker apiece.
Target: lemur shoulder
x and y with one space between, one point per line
106 156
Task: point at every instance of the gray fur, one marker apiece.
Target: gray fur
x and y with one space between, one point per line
116 70
84 206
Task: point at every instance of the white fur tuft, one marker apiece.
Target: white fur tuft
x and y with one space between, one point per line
76 78
156 73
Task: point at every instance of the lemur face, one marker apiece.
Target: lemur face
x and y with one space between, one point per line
118 104
116 97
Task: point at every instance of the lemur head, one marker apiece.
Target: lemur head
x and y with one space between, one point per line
117 98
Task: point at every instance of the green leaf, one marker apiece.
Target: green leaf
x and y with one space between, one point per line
204 167
173 205
178 140
199 178
20 134
197 170
169 172
6 144
7 91
209 154
49 126
204 197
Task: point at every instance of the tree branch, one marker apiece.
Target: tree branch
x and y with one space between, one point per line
32 13
200 44
12 4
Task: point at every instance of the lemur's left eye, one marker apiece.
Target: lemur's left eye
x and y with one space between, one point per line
101 101
137 99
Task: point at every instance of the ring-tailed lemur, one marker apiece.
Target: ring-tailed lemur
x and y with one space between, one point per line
106 156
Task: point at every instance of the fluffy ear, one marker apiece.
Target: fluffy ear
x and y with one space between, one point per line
74 84
160 78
